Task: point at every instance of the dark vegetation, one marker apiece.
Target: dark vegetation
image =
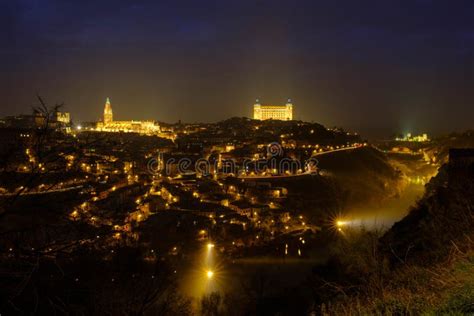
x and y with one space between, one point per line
364 176
423 264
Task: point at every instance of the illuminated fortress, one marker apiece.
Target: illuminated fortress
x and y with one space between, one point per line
273 112
109 125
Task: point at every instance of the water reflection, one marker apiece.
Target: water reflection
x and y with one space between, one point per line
387 212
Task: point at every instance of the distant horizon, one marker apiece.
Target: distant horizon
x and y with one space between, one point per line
371 130
366 132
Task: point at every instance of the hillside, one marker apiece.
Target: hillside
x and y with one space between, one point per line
440 147
442 217
422 265
364 175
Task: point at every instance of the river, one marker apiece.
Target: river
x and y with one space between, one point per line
387 212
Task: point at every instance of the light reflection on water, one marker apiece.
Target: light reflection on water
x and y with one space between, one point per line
389 211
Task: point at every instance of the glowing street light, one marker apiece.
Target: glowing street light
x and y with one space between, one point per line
74 214
341 223
210 246
209 274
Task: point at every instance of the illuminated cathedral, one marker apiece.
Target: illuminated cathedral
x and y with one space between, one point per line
109 125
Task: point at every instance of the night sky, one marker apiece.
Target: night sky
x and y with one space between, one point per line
372 66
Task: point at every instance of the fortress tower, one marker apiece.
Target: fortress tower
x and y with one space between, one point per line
273 112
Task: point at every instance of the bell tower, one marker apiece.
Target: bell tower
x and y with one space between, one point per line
108 114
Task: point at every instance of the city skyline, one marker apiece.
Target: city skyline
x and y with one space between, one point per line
270 108
360 66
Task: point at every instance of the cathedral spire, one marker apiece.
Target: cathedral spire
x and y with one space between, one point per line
108 114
